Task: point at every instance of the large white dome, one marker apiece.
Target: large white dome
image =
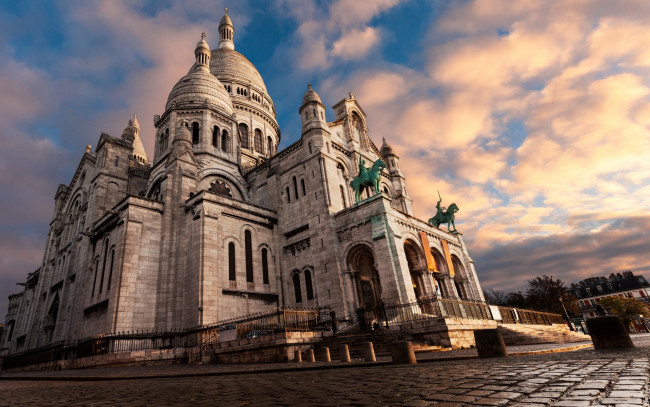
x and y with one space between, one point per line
229 65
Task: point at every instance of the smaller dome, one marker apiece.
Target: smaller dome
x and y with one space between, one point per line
199 87
386 149
311 96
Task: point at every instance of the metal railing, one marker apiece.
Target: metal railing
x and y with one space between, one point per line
279 320
510 315
397 313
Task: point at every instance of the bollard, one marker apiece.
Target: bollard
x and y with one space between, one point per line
489 343
345 353
310 356
369 352
326 355
297 357
608 332
402 353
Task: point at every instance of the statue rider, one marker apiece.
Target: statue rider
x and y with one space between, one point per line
362 168
440 210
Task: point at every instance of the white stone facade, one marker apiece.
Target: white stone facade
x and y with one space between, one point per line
220 224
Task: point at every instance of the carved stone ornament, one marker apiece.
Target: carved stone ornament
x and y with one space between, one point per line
220 188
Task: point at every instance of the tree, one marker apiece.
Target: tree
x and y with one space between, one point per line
517 300
496 297
544 294
625 308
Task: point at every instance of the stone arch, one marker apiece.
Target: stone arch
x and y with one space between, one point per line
153 190
386 189
417 266
207 176
52 316
461 279
361 263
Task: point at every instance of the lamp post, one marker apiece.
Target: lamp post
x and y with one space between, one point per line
566 313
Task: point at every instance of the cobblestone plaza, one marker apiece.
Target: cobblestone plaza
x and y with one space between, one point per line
579 378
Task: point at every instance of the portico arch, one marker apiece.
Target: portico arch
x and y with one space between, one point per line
461 280
361 262
417 268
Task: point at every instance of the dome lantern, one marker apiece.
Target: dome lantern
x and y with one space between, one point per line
202 53
226 32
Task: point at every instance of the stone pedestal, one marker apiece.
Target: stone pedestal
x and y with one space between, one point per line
345 353
310 356
369 352
402 353
297 357
608 332
489 343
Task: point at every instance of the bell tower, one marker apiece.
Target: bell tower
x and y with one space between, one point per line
396 178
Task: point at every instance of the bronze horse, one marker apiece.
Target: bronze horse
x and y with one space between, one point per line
368 178
447 217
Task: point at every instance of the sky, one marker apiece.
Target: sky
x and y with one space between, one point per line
533 116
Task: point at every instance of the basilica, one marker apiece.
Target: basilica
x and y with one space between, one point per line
218 223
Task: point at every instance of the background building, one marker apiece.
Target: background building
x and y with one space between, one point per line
590 291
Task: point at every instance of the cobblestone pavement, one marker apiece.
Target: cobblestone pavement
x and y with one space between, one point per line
580 378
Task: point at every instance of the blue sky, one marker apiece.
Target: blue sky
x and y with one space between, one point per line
534 117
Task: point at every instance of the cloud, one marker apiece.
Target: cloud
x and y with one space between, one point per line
570 257
355 43
340 31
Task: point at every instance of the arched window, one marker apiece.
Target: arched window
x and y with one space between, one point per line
308 285
296 286
295 188
92 294
225 144
258 141
215 137
288 194
269 146
101 282
231 262
265 266
195 133
110 269
302 184
243 131
249 256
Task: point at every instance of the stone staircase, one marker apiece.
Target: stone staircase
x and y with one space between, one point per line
381 342
518 334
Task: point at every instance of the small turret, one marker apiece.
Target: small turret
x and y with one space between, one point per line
226 32
391 158
396 177
202 53
131 135
312 111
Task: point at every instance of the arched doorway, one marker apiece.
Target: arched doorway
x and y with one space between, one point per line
361 263
417 268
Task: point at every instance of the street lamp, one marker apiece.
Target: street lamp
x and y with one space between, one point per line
566 313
